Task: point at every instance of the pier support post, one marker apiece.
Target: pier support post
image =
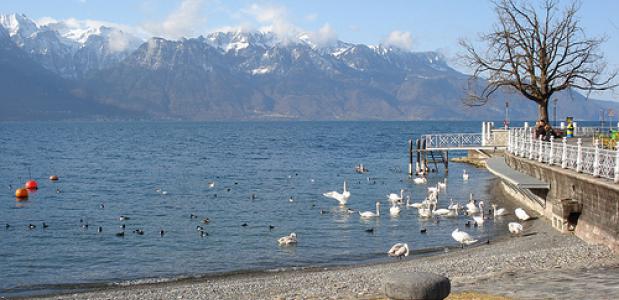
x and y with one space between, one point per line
617 163
551 154
564 154
418 161
579 156
596 159
410 157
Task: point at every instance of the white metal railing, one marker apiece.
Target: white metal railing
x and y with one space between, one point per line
589 160
453 140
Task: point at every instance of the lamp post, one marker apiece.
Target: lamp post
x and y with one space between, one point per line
554 121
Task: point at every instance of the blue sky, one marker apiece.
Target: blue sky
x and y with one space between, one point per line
414 24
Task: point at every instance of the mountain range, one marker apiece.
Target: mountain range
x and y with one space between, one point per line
59 70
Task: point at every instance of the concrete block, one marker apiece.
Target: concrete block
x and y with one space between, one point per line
416 286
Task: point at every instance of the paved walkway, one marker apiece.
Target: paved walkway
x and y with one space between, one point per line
498 167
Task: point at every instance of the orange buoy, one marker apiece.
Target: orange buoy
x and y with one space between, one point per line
21 193
31 185
53 178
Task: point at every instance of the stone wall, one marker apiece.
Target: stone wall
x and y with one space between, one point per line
594 202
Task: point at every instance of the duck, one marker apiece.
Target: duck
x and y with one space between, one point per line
462 237
343 197
394 210
521 214
288 240
394 198
420 180
123 218
120 234
498 211
515 228
371 214
465 175
399 250
100 229
370 230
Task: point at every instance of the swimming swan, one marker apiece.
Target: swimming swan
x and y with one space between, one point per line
343 197
371 214
287 240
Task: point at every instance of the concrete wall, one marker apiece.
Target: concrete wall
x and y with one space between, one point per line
596 199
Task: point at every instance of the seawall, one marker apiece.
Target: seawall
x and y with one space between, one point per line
575 202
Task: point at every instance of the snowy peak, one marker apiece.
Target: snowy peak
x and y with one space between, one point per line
16 24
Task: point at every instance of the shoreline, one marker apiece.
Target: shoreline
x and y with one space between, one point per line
542 263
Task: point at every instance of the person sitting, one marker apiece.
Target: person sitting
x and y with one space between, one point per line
548 133
540 129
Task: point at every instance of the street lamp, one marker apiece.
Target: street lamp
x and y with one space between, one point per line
554 121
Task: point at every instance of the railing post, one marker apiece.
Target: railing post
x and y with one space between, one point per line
531 153
617 162
564 154
596 159
551 154
483 134
579 156
509 141
540 150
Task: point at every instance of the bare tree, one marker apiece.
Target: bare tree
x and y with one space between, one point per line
536 53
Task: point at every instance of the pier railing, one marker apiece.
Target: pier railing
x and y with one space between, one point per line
592 160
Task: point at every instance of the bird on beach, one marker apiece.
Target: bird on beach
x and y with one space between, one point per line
371 214
462 237
521 214
515 228
399 250
343 197
497 212
288 240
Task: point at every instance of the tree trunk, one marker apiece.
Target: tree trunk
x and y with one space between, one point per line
543 111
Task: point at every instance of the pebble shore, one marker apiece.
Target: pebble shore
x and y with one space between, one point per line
542 264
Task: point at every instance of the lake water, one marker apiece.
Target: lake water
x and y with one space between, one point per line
121 165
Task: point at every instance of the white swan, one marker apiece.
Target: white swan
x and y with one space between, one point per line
453 205
287 240
394 198
443 184
413 205
394 210
498 211
343 197
471 208
521 214
453 212
420 180
399 250
480 219
371 214
515 228
462 237
433 189
425 211
440 211
465 175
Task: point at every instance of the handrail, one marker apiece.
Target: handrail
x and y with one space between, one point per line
593 160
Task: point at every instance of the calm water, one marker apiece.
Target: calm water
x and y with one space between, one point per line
121 165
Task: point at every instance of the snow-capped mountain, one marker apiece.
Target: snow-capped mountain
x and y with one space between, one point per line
70 50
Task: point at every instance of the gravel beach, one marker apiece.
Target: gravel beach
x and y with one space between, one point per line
541 264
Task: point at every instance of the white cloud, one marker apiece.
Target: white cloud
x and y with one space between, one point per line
325 36
185 21
273 19
311 17
45 21
399 39
118 41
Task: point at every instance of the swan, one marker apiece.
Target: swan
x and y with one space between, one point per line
425 211
433 189
371 214
480 219
420 180
515 228
287 240
462 237
433 196
393 197
413 205
521 214
440 211
343 197
453 205
394 210
465 175
471 208
453 212
443 184
398 250
498 211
